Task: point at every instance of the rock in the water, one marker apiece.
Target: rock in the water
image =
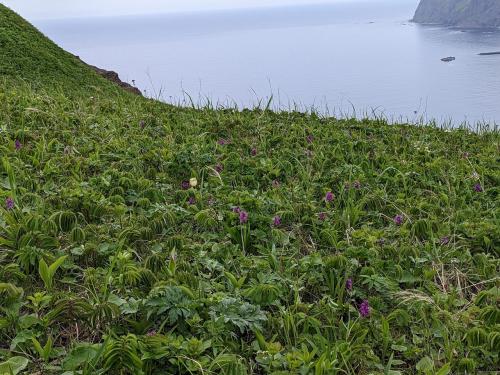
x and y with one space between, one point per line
489 53
448 59
459 13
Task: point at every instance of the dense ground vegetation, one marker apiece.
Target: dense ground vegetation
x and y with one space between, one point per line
141 238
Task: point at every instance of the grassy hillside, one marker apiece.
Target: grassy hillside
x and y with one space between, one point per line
141 238
30 56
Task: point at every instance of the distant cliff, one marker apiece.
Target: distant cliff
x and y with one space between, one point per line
460 13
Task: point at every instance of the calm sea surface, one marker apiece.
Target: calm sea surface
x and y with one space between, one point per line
361 56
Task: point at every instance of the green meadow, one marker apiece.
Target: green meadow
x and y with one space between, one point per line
137 237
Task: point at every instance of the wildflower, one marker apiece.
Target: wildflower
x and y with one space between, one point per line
348 284
276 184
193 182
185 185
18 145
211 201
151 333
253 152
192 200
445 240
475 175
243 217
398 219
310 138
478 188
322 216
465 155
364 309
277 221
219 168
357 185
236 210
308 153
9 203
329 196
222 142
142 124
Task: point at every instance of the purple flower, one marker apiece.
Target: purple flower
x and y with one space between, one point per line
192 200
18 145
445 240
9 203
310 138
253 152
222 142
276 184
142 124
185 185
357 185
236 210
322 216
219 168
348 284
277 221
243 217
398 219
151 333
329 196
478 188
364 309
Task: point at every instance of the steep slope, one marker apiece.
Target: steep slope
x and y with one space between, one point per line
27 54
459 13
139 238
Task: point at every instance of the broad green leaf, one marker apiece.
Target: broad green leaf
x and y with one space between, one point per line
445 370
38 346
47 273
54 266
13 366
43 270
425 365
80 355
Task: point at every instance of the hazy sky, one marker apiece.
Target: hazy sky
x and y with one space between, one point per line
36 9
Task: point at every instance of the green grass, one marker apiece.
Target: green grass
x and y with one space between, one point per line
30 56
108 265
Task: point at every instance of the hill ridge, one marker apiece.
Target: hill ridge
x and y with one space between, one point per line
28 54
459 13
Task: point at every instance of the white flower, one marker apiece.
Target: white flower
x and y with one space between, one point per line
193 182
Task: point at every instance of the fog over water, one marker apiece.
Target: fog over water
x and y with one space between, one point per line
356 54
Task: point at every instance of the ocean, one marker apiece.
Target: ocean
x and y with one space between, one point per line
358 58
